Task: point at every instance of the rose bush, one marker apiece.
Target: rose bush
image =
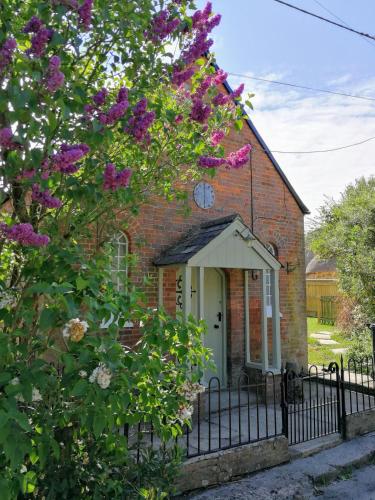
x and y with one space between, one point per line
101 104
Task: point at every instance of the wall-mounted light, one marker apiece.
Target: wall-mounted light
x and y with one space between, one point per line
290 267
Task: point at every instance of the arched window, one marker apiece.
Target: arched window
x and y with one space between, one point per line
273 250
119 264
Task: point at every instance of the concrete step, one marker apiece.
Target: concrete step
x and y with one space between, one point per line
309 448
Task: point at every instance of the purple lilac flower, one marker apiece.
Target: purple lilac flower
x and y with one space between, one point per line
140 122
239 158
115 112
203 87
180 77
6 139
6 53
113 179
33 25
211 162
85 13
162 26
220 77
202 20
55 78
68 156
122 94
39 42
216 137
197 48
179 118
44 197
200 111
24 234
26 174
220 99
237 93
100 97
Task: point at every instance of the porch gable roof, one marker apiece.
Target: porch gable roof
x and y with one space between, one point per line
226 242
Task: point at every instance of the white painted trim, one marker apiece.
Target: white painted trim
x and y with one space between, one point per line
186 291
264 322
252 243
200 293
160 287
247 317
276 342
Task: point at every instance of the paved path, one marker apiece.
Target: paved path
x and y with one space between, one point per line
342 472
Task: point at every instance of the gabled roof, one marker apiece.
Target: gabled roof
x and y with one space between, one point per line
226 242
252 127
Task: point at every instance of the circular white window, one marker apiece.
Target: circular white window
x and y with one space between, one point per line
204 195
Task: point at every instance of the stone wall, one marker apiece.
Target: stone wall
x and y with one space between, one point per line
223 466
360 423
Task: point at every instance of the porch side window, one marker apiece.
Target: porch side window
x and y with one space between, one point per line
119 264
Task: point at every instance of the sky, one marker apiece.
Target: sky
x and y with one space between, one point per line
264 39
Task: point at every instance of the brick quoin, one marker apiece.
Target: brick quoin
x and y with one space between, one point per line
277 218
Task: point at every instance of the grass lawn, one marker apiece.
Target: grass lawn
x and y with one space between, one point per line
322 354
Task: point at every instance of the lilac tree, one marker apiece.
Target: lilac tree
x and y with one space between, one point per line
101 104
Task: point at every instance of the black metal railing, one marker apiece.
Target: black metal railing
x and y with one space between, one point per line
237 414
302 406
328 310
316 403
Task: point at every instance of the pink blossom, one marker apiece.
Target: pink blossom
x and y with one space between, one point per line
179 118
113 179
6 53
55 78
162 26
211 162
239 158
6 139
24 234
180 77
200 111
44 197
85 13
100 97
216 137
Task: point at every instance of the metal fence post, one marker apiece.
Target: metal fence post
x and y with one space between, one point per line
343 402
283 403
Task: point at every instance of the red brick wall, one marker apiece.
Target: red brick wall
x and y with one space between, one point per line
276 218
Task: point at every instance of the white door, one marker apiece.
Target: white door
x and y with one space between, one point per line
214 317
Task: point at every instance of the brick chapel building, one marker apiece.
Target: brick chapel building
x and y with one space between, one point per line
237 261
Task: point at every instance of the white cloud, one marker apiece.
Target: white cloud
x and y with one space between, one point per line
294 120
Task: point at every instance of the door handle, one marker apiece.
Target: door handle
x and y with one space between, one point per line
216 326
219 316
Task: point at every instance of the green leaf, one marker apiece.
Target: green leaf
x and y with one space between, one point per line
99 424
81 283
80 388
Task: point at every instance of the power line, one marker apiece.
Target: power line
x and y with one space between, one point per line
323 150
371 37
370 42
354 96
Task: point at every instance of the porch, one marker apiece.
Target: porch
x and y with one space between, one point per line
210 275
